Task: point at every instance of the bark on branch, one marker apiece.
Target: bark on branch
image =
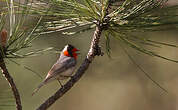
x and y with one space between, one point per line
11 83
93 51
84 66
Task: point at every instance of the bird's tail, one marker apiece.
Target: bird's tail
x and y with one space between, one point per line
36 90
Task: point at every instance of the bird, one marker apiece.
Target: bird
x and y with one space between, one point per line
63 68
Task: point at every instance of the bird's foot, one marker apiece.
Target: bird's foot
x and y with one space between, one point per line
67 76
98 51
60 83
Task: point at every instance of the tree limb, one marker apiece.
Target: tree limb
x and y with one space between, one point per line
11 83
84 66
93 51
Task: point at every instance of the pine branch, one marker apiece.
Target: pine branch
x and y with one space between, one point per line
3 40
84 66
93 51
11 83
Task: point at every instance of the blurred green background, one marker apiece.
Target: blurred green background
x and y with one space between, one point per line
109 84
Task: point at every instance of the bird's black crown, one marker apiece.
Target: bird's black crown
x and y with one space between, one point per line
70 48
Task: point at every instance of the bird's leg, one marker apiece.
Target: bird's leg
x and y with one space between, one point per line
98 51
67 76
60 83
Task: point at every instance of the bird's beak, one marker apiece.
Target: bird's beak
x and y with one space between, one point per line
77 51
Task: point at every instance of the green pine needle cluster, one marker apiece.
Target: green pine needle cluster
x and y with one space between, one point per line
19 37
126 17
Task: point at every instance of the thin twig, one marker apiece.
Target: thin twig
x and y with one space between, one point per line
11 83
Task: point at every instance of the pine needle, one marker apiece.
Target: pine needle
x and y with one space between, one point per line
27 68
141 69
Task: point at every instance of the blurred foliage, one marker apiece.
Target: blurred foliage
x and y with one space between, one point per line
125 17
6 100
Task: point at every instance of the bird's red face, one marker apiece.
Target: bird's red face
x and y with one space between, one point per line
70 51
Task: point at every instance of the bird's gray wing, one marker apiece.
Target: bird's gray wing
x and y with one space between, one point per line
60 67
